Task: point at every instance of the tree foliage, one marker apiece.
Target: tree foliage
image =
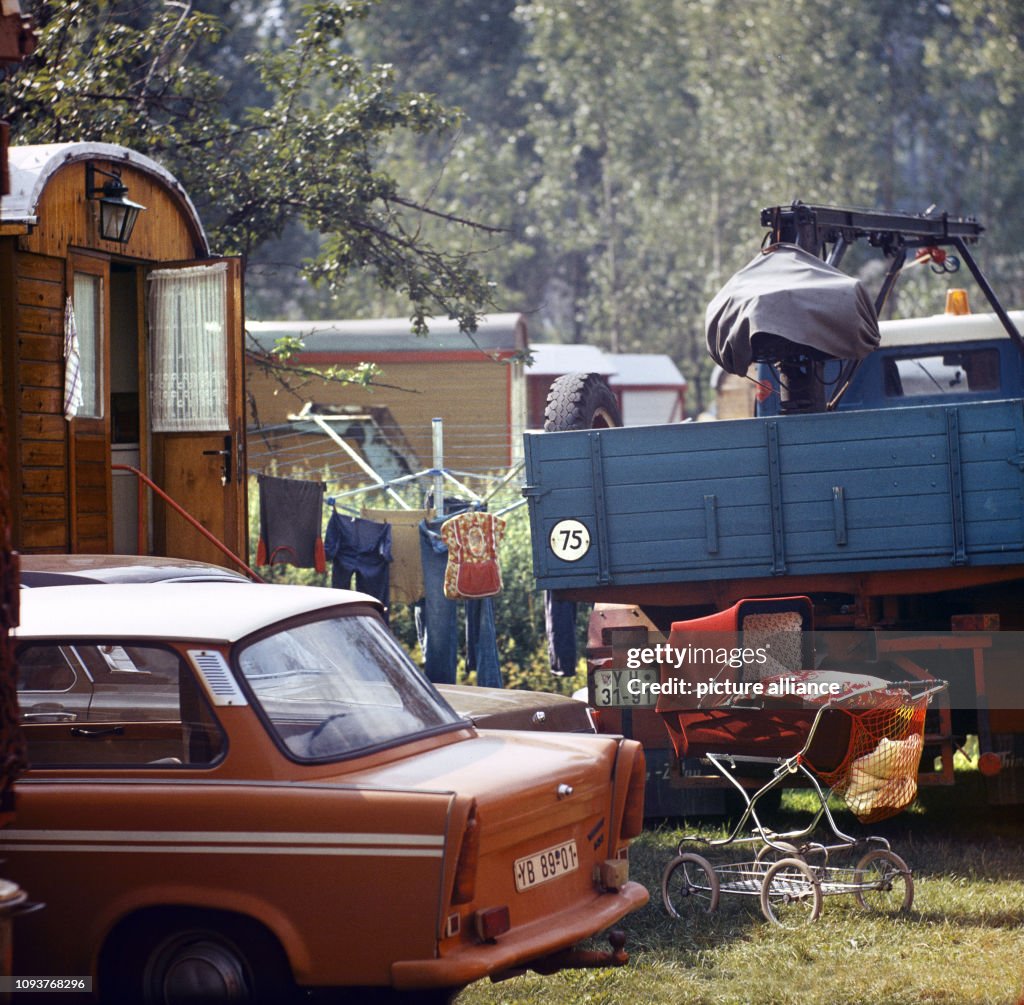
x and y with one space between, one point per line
304 151
638 141
620 152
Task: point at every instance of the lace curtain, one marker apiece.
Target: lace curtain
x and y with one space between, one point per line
187 325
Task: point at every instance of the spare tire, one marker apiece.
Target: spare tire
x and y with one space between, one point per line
581 401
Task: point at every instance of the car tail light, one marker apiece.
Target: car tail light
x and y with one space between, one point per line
492 922
633 810
469 856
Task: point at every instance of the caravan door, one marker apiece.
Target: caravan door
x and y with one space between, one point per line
195 406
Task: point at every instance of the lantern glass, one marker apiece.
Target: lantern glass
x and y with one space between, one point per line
117 219
118 213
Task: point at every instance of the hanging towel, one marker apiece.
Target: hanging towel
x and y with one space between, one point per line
472 538
406 566
72 364
291 517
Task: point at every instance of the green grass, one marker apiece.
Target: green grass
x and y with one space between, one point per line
962 942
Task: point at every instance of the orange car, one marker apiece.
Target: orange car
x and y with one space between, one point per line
279 800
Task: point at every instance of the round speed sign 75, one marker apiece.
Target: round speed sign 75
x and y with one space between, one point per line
569 540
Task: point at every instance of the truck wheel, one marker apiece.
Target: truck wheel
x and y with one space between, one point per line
179 957
580 401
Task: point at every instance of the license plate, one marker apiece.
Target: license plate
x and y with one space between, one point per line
613 688
546 865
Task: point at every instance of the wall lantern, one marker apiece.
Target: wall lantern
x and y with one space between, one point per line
117 213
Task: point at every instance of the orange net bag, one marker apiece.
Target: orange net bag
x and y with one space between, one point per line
878 777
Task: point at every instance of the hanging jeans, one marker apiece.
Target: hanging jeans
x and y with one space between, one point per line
560 624
360 548
437 620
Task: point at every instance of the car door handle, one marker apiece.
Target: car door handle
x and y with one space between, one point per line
97 731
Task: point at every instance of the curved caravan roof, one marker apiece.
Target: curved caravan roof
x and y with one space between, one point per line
32 167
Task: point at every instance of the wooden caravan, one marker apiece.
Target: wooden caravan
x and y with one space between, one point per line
474 384
120 356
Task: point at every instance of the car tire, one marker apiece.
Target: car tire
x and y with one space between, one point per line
581 401
176 957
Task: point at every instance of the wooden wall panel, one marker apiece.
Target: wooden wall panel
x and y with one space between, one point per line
38 370
471 397
42 453
37 267
40 347
43 427
42 482
31 320
39 537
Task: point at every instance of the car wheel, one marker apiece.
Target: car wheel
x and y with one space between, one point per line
580 401
175 957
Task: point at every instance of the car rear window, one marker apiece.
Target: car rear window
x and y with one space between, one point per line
332 688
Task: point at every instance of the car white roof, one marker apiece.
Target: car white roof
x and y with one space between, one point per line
211 612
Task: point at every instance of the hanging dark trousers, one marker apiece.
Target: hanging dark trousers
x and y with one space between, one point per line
360 548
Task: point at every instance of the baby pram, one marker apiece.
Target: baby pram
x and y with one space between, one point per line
759 704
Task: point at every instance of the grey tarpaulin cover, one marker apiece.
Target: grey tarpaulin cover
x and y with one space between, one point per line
788 292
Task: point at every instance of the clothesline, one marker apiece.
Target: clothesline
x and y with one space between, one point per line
449 477
357 466
436 559
371 531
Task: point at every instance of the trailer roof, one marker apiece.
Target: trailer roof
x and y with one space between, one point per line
31 168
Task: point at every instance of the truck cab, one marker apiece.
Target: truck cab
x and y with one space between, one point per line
943 359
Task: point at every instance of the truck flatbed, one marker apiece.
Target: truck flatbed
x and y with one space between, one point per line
924 488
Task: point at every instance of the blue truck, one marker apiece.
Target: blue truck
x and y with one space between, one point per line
886 485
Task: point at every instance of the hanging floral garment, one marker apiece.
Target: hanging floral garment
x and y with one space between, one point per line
472 538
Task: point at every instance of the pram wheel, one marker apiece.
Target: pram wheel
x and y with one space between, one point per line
790 894
689 885
769 853
883 882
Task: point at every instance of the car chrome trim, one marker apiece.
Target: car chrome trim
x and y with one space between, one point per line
225 842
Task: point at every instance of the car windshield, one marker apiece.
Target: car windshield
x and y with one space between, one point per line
333 687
